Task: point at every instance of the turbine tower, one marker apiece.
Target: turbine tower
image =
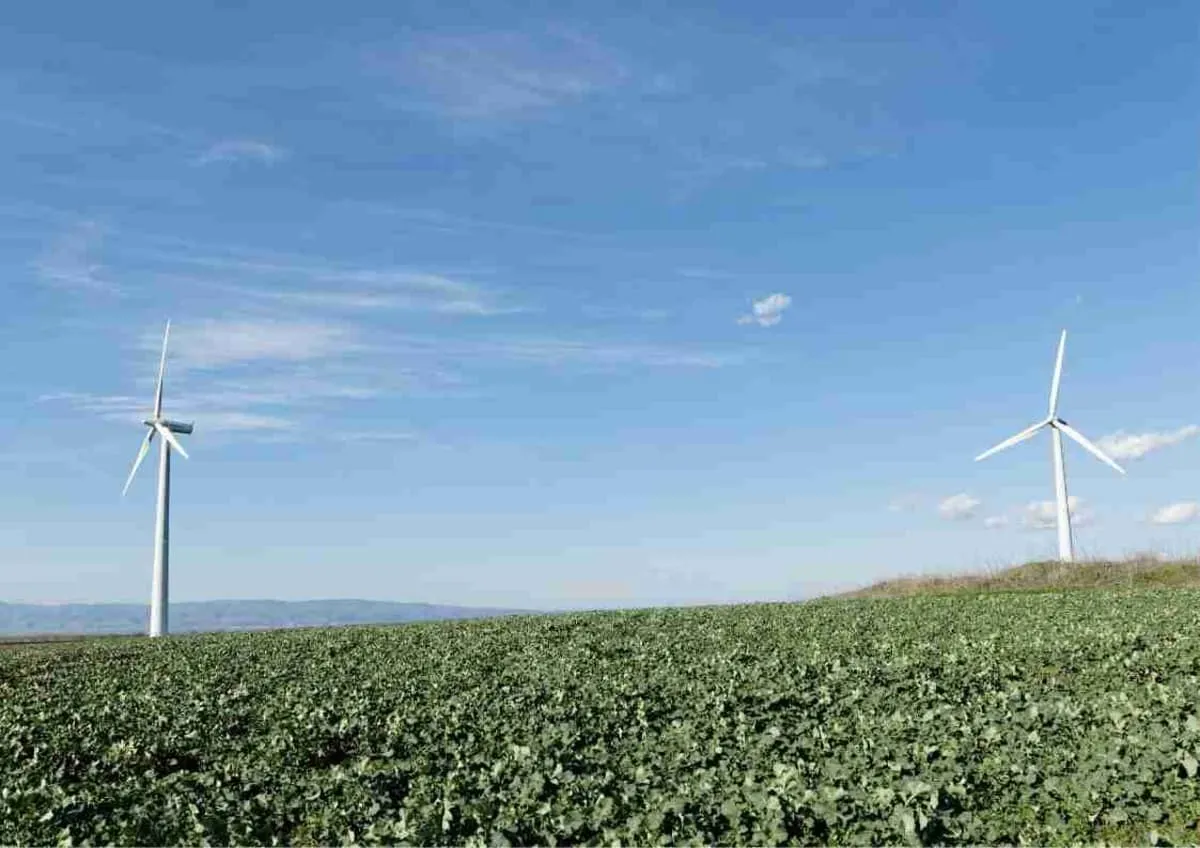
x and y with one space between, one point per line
1058 428
167 429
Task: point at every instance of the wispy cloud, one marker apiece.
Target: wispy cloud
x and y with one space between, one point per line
502 74
268 404
1043 515
70 261
132 410
699 167
444 302
315 282
299 369
241 150
995 522
231 421
30 122
603 354
626 313
368 436
767 312
223 343
441 221
904 503
802 66
1122 445
959 507
1177 513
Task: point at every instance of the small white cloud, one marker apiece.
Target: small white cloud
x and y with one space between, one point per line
1177 513
1122 445
995 522
241 150
1043 515
768 311
959 507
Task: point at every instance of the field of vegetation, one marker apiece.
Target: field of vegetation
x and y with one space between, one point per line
1049 718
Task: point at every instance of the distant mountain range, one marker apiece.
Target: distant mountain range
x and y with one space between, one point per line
209 616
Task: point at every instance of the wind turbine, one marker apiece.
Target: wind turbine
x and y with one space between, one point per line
167 429
1058 428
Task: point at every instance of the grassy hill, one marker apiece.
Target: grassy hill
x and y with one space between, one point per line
1138 572
1051 718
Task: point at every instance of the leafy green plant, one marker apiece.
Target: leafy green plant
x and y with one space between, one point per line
1043 718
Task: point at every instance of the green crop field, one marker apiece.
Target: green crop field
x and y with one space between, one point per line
1048 718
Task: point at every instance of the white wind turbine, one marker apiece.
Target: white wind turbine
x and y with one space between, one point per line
1058 428
167 429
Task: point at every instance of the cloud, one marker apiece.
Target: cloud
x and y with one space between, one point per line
376 436
305 281
241 150
299 368
373 300
768 311
441 221
1122 445
803 160
699 168
904 503
995 522
503 74
229 421
1177 513
222 343
562 351
959 507
133 410
70 261
626 313
267 404
1043 515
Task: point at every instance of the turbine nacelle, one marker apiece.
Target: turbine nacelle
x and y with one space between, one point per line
173 426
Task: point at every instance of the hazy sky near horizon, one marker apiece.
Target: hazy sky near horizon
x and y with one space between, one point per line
586 304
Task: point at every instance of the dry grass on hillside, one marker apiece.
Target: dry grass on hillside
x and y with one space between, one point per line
1136 572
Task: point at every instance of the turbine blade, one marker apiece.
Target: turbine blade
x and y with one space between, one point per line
1088 446
171 440
141 454
1062 343
1027 433
162 370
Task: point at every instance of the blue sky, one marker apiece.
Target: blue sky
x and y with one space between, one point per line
464 294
